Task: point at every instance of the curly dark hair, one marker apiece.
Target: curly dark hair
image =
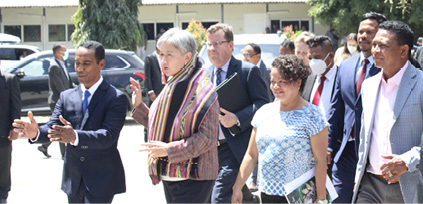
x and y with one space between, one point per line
292 68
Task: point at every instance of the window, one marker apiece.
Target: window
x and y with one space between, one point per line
56 33
208 24
296 24
13 30
115 61
32 33
71 28
37 67
185 25
162 27
149 30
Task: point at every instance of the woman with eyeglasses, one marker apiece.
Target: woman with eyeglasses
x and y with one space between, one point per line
182 123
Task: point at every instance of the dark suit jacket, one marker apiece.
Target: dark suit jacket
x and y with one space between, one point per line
308 86
96 159
256 88
265 74
57 82
153 74
10 102
346 107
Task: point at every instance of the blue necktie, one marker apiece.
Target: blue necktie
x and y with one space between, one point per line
85 101
218 76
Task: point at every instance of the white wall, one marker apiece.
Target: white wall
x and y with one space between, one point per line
234 15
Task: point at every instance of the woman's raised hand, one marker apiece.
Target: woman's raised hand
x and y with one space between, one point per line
136 92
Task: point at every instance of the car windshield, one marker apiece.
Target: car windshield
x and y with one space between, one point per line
268 53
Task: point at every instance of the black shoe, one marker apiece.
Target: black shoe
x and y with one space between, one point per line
44 151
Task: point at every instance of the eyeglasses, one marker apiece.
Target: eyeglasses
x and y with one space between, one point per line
248 56
216 44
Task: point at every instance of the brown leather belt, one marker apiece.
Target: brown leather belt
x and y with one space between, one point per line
381 177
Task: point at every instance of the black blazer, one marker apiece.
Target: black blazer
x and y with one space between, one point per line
256 88
96 159
153 74
57 81
10 102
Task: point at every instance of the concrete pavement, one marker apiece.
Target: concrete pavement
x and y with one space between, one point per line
36 179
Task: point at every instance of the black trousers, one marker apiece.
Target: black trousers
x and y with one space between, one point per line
5 162
272 198
84 196
188 191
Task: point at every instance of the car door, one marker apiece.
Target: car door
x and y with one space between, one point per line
33 81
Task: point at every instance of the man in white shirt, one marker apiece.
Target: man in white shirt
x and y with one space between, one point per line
319 86
392 119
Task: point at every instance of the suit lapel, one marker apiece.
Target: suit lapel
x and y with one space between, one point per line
370 97
233 67
309 87
408 82
96 98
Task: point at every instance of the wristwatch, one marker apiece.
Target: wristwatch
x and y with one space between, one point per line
325 201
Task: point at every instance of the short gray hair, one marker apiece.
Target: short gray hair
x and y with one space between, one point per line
181 39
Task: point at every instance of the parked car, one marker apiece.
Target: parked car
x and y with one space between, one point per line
11 54
33 76
269 45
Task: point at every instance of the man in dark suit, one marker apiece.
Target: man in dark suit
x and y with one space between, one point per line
89 119
58 81
252 54
10 103
346 108
154 78
235 128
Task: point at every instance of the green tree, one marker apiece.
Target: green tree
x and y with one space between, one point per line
199 32
345 15
114 23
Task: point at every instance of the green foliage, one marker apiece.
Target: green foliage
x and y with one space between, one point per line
199 32
114 23
345 15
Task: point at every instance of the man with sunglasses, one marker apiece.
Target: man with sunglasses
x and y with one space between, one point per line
235 128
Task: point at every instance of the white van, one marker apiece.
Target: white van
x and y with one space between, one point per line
11 54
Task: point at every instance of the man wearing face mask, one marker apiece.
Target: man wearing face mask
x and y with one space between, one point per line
319 86
346 108
58 81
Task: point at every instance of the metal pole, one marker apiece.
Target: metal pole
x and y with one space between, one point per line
222 16
44 27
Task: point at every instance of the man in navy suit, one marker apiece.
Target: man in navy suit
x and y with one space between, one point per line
346 108
235 128
89 119
252 54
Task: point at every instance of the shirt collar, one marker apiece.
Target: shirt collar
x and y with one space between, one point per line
258 63
225 67
371 61
397 78
93 88
62 63
331 73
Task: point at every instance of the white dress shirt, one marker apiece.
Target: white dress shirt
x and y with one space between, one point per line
383 120
326 96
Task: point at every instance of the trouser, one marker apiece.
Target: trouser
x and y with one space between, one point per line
5 163
84 196
188 191
228 171
373 189
343 173
272 198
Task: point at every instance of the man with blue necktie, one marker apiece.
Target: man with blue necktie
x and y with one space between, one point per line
89 119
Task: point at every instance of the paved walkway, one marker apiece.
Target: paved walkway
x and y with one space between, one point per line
36 179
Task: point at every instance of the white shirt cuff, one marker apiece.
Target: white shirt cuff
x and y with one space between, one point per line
36 138
76 140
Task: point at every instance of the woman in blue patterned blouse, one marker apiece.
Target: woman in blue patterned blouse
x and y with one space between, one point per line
289 138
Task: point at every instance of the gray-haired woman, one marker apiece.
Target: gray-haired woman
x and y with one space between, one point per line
182 123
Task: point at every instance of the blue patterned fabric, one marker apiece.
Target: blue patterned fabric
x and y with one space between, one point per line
284 145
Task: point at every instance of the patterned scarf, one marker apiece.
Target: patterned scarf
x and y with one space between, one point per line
176 114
